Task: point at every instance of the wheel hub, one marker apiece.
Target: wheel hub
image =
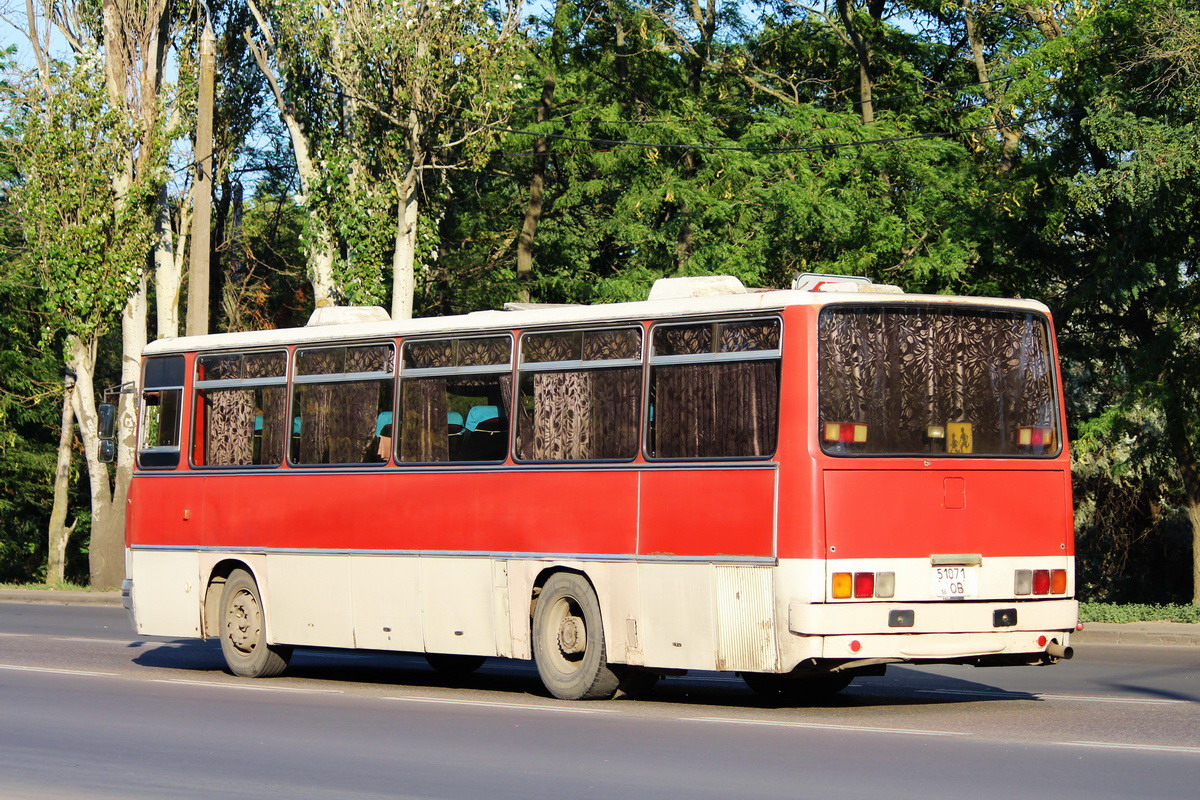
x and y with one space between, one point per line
571 636
243 624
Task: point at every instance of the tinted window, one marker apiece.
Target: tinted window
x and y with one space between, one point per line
920 380
714 390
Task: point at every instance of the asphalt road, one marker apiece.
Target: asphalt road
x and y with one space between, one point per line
89 710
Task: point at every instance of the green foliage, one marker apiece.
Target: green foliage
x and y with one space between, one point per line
1137 612
86 235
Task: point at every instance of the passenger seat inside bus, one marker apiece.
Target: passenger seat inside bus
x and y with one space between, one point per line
486 437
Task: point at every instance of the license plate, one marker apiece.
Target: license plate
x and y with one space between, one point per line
954 582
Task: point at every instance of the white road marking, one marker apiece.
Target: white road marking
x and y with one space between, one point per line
20 668
1153 748
188 682
491 704
1018 695
826 727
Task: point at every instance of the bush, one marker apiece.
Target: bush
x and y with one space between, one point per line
1137 612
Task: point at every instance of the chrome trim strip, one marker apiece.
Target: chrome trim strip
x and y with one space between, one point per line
497 554
341 377
708 358
433 372
242 383
566 466
591 363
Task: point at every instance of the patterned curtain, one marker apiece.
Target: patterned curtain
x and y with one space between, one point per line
423 408
355 409
229 433
313 407
615 412
902 370
562 416
716 410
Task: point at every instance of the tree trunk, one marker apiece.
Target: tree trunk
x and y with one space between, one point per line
319 253
863 56
1010 136
105 557
168 276
60 531
405 253
533 213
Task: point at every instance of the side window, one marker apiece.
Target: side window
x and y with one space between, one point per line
241 407
454 400
342 405
714 390
160 416
581 395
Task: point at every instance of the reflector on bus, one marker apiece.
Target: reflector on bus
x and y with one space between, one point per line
1035 437
846 432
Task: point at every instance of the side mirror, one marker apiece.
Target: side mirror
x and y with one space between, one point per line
107 422
107 452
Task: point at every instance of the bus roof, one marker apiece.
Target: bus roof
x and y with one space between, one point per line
493 320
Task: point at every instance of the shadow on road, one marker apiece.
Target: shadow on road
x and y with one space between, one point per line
901 687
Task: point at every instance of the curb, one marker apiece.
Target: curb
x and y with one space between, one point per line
57 597
1164 634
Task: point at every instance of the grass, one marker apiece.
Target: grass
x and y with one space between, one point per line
1137 612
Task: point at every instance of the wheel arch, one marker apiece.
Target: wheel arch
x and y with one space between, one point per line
210 623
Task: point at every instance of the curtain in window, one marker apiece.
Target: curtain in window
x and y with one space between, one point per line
562 416
716 410
230 427
615 403
274 406
423 421
900 370
353 415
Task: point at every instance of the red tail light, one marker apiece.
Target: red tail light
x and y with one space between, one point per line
864 584
1041 581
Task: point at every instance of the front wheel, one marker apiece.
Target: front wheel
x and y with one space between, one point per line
568 640
244 631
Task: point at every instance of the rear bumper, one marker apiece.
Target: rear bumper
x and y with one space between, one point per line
127 600
832 619
938 631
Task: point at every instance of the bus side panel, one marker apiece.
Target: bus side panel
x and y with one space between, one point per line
163 509
456 603
167 592
898 513
708 512
386 601
308 600
485 512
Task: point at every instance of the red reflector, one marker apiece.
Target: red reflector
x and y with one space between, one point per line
864 584
1041 581
855 646
1079 626
1041 641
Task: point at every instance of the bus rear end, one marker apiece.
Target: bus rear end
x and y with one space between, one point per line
946 487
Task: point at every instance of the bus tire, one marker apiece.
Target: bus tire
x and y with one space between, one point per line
803 689
244 631
452 664
568 641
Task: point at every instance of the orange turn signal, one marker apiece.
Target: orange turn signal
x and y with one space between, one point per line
843 582
1058 581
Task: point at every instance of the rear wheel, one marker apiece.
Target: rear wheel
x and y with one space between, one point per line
449 664
803 689
568 640
244 631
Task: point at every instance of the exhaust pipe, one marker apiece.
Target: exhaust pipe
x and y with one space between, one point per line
1058 651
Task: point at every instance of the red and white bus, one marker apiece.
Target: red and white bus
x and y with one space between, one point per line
800 486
